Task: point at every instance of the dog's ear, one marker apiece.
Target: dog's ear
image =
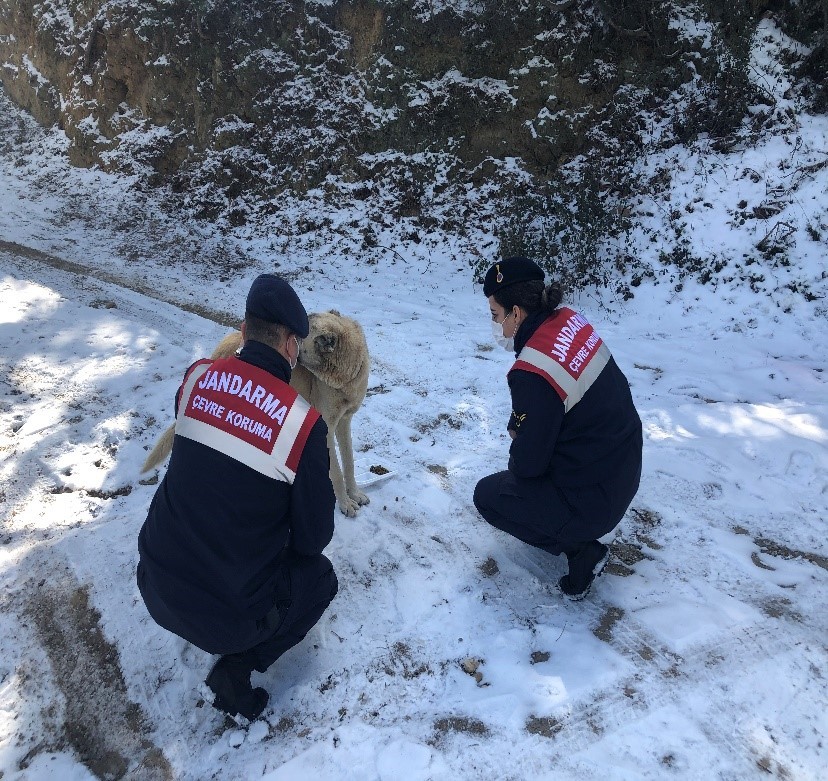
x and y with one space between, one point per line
334 312
325 343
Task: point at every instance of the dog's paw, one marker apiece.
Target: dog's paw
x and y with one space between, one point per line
360 498
348 506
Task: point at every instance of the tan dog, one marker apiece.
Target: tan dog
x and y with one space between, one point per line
332 374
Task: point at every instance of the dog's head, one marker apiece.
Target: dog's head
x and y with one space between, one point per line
335 348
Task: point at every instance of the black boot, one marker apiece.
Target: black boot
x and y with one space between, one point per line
230 682
585 564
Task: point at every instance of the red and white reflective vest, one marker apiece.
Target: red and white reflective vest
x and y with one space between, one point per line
567 353
246 413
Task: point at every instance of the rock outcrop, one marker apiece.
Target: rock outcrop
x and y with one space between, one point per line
234 103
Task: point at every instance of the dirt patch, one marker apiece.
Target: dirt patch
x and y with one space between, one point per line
673 671
618 569
401 661
545 726
465 724
626 552
114 494
489 567
712 491
103 726
772 548
657 372
647 519
754 557
331 682
442 418
780 607
643 523
769 766
612 615
645 539
538 657
285 724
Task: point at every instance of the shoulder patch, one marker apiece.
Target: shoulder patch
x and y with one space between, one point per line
518 418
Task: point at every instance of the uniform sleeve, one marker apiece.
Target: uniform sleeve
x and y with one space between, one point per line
312 497
537 415
181 387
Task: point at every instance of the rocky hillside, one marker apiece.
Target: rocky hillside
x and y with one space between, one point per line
437 112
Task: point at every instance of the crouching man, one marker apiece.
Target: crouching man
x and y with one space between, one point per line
231 550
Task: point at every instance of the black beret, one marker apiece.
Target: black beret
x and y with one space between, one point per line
509 272
273 300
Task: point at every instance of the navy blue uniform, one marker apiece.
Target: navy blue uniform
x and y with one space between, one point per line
572 474
230 559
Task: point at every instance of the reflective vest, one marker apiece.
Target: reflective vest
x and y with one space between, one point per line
567 353
246 413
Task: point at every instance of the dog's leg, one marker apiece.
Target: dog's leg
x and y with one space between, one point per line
347 505
346 452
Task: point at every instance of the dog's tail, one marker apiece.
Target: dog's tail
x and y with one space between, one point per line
163 447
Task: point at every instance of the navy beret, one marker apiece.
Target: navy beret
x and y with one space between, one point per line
273 300
510 271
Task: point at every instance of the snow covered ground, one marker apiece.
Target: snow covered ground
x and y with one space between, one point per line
702 653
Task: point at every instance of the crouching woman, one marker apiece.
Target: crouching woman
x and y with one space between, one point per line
575 457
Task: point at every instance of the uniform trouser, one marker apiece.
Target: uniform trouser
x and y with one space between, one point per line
530 509
306 588
557 519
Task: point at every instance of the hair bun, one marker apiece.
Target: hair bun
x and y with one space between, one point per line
551 296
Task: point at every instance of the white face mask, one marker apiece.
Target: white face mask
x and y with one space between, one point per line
506 342
293 365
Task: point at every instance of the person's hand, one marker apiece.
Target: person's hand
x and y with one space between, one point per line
512 433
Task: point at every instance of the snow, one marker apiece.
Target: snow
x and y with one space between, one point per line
700 654
452 78
34 72
692 27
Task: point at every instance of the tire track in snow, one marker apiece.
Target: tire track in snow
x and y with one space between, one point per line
105 728
19 252
664 677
